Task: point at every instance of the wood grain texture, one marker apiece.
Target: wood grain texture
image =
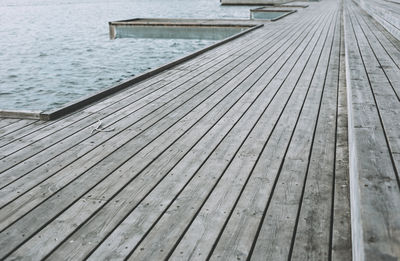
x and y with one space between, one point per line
312 239
101 152
377 177
249 93
140 114
278 224
9 126
236 239
7 121
109 163
341 228
194 134
149 253
241 153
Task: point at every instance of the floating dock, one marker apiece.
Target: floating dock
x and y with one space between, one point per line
280 144
271 14
252 2
203 29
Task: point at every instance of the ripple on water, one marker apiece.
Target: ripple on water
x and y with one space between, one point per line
58 52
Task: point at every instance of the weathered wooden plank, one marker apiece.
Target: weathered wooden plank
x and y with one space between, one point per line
64 130
81 190
384 78
376 192
237 238
150 211
386 12
96 108
312 239
4 122
165 228
14 126
382 85
98 167
156 82
61 123
386 40
210 220
69 108
239 114
383 61
169 75
278 224
127 93
18 188
184 158
341 225
172 90
184 165
94 157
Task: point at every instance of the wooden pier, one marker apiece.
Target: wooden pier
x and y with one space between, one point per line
281 144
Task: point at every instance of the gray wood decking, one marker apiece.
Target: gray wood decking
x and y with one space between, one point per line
240 153
374 78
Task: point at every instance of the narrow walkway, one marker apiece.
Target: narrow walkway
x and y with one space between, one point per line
240 153
373 58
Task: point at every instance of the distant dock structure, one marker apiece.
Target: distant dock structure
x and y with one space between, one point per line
279 142
252 2
203 29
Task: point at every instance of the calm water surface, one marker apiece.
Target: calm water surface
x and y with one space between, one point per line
56 51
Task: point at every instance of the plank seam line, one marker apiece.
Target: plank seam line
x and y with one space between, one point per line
336 131
356 227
